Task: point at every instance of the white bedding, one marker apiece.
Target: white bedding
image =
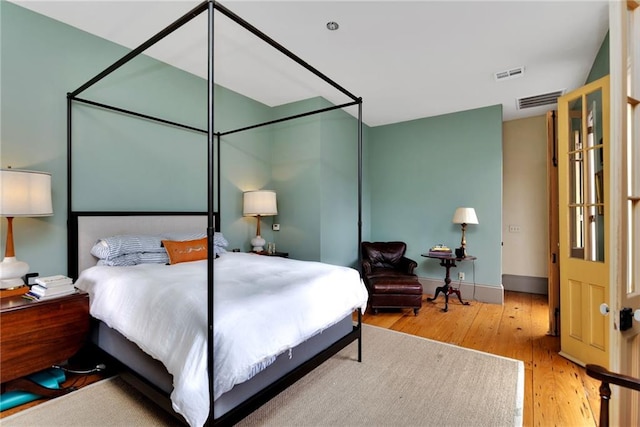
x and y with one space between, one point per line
263 306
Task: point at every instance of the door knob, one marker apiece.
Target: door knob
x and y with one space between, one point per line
604 309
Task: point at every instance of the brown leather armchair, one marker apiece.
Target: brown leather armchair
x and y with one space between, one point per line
389 276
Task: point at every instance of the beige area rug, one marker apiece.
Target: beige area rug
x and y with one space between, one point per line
110 402
402 381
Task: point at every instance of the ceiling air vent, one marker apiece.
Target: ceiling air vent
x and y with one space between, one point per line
509 74
548 98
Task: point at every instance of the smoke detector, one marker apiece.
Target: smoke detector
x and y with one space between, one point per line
509 74
548 98
332 25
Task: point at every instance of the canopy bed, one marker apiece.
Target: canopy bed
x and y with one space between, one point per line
291 361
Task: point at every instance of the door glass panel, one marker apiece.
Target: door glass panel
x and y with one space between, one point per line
575 177
594 179
576 228
586 177
575 125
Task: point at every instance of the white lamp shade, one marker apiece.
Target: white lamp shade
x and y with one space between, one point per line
25 193
261 202
465 216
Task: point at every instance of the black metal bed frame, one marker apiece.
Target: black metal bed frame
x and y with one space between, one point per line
210 6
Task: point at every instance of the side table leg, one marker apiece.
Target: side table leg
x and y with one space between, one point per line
439 289
445 291
447 264
446 299
457 292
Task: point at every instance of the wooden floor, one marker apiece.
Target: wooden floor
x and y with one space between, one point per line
557 392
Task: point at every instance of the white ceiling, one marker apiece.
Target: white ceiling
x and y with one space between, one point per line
406 59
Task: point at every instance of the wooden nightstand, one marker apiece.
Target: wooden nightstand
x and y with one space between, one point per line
37 334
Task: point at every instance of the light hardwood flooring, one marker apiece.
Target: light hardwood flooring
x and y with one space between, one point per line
557 391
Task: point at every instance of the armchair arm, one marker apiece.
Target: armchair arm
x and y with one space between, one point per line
407 265
366 272
366 267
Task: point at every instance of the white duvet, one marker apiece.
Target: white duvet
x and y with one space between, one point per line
263 306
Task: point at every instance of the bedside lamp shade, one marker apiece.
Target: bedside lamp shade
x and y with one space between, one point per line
22 194
464 216
259 203
25 193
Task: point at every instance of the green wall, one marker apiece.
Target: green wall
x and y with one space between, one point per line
414 174
163 167
315 174
297 181
123 163
339 188
246 163
422 170
600 67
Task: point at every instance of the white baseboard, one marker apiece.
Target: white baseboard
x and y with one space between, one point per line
528 284
468 291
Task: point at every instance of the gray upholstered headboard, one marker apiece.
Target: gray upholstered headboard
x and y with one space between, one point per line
92 227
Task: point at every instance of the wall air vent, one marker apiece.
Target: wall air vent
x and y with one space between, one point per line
548 98
509 74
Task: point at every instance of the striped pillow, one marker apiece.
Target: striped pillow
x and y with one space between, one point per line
136 258
133 249
116 246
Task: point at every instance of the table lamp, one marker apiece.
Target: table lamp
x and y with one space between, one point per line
259 203
22 193
464 216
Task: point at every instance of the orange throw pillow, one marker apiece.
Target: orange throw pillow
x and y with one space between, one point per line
188 250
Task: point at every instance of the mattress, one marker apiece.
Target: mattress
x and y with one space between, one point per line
263 307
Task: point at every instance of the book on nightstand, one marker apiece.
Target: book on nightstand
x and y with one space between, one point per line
50 287
35 296
53 281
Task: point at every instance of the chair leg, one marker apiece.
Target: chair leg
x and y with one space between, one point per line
415 311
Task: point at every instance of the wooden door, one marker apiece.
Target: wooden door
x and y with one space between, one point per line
583 150
624 30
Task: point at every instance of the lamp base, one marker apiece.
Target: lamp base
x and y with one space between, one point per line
258 244
11 272
9 284
461 252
